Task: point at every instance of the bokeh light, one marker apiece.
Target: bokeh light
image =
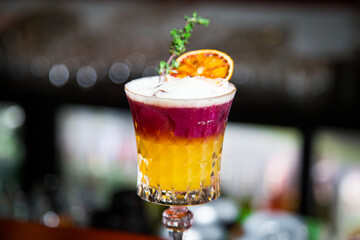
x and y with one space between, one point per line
119 72
13 116
205 215
51 219
149 71
59 75
86 76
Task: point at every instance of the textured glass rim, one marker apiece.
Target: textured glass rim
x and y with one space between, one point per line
180 99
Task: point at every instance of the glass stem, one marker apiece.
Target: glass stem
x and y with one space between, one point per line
177 219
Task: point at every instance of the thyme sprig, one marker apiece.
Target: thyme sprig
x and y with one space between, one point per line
180 37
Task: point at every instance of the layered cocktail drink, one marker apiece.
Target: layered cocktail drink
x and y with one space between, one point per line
179 127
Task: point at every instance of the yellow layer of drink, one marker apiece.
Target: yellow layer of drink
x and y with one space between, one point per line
179 164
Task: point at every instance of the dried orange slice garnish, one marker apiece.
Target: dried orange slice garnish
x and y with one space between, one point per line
207 63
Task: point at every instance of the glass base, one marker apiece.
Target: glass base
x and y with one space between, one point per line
177 220
163 197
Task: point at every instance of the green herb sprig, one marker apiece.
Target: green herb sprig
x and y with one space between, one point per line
179 39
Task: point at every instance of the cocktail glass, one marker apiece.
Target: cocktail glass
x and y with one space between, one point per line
179 146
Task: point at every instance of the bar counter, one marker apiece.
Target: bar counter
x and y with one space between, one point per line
16 230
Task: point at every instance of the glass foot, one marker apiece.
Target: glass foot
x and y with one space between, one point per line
177 219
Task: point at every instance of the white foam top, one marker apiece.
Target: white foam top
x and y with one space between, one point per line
180 91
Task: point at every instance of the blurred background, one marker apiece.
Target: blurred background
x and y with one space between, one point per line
291 156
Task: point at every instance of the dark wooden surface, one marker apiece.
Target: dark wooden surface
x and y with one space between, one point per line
16 230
